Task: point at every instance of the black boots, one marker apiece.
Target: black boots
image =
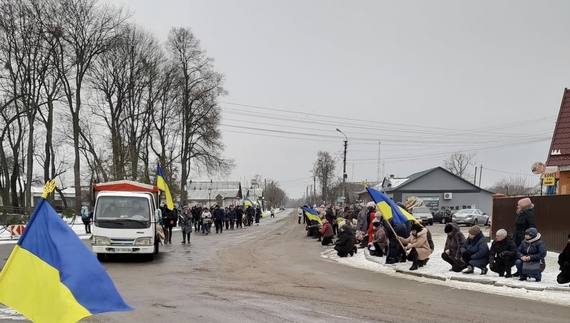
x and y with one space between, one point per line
414 265
469 270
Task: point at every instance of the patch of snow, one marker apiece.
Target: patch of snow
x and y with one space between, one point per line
439 268
9 314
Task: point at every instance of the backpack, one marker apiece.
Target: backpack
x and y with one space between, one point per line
84 214
430 240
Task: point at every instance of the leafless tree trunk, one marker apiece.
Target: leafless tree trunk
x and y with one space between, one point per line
198 87
82 30
323 169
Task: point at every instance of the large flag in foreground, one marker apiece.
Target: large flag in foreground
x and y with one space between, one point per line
312 214
389 209
161 184
51 276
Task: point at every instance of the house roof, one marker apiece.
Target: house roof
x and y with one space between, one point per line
559 153
415 176
202 191
396 183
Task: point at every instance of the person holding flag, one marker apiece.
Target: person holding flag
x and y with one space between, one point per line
169 215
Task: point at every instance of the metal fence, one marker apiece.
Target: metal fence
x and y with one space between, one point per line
552 218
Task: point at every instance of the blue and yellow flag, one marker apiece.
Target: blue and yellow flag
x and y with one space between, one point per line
52 277
389 209
312 214
248 202
161 184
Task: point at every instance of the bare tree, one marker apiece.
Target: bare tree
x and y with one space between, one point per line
198 87
514 185
273 194
323 169
459 164
81 30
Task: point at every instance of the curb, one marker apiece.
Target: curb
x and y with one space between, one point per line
467 279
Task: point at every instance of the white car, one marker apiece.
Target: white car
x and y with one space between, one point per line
423 213
470 217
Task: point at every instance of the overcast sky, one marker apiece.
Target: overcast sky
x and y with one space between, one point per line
425 78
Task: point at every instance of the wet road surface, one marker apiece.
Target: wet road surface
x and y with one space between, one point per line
273 273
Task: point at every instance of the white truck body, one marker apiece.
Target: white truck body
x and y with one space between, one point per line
124 219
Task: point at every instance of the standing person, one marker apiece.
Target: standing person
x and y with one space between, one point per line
206 219
239 217
300 214
362 224
272 212
86 220
197 218
232 215
227 218
524 221
185 220
502 254
329 215
169 220
257 215
249 213
219 219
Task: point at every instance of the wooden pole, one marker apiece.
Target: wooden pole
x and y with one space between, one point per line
394 232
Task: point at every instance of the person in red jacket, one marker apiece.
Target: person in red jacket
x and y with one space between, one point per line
327 233
371 216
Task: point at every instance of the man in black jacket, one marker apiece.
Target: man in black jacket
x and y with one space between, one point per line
239 217
169 219
219 219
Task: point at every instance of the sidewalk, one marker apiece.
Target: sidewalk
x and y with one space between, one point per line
437 272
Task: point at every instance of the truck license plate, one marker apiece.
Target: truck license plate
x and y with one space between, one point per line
122 250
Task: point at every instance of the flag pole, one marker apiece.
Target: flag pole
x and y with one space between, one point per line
389 224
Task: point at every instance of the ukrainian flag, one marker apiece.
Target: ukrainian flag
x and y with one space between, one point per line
51 276
312 214
389 209
248 202
161 184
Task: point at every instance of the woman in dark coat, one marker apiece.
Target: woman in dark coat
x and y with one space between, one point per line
475 251
533 252
525 219
345 244
564 262
502 254
452 250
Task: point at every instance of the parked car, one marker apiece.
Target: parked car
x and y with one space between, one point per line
470 217
439 216
423 213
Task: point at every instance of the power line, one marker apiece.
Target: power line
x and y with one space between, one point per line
502 171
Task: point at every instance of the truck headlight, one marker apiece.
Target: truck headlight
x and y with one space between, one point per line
146 241
101 241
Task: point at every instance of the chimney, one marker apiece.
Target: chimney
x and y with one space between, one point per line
391 175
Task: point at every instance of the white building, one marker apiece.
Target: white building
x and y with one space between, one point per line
210 193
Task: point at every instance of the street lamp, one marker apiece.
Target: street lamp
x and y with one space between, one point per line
209 197
344 165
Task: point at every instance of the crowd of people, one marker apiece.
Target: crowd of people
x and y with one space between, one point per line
202 218
360 226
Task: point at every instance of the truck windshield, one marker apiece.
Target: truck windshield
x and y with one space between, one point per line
123 212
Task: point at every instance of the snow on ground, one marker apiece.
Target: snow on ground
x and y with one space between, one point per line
437 272
77 226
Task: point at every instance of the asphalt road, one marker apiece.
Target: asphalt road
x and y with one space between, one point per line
273 273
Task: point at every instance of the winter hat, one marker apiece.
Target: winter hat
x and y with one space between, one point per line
531 232
524 202
370 204
378 215
475 230
325 221
502 233
448 228
417 227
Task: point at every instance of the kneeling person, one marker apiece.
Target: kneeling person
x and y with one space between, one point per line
502 254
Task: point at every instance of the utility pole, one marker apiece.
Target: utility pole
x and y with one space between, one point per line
480 174
379 145
344 167
475 179
383 170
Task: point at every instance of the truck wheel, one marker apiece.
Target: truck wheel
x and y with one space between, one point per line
150 257
101 257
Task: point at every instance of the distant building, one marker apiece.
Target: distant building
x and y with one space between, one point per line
210 193
437 188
